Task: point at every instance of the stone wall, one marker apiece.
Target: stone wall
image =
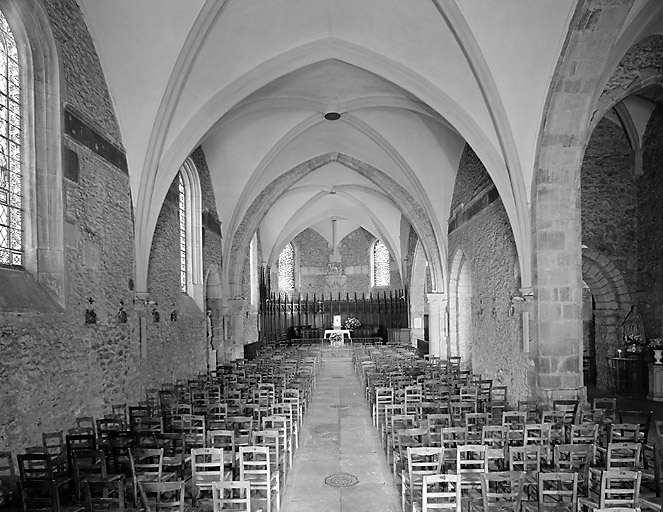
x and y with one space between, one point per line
487 241
609 220
313 250
650 228
55 366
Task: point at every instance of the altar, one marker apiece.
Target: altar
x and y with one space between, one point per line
344 332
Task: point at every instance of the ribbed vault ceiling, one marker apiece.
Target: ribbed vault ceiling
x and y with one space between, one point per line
251 81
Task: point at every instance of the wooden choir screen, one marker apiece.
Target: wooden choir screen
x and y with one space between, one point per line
286 317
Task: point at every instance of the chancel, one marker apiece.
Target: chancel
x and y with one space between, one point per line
355 223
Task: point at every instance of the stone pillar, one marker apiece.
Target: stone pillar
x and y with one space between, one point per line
437 324
234 315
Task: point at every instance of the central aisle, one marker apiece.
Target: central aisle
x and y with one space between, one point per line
339 445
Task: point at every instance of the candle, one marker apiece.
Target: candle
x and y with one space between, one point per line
619 353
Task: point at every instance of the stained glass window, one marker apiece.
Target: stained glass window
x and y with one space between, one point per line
11 221
381 270
287 268
183 235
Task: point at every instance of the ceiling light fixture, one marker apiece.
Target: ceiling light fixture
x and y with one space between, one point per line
332 116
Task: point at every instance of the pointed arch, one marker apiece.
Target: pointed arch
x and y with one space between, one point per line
408 206
191 246
612 302
460 308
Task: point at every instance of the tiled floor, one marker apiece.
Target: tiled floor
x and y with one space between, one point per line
339 441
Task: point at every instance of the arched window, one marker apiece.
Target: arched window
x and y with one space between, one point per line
380 265
31 178
11 193
190 229
287 268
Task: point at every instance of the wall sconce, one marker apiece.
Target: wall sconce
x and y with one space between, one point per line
173 316
156 317
122 314
90 315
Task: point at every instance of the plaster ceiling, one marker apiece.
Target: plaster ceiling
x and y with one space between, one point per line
251 80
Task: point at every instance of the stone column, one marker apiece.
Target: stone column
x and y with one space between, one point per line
437 324
234 315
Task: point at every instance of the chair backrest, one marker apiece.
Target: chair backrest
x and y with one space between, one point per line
540 434
619 489
503 489
104 495
255 464
525 458
557 490
231 495
573 458
623 432
146 463
608 404
643 418
162 496
569 407
424 460
623 456
35 466
39 495
441 492
471 458
206 463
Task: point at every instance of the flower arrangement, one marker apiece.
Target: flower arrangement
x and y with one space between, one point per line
352 323
634 343
336 337
655 343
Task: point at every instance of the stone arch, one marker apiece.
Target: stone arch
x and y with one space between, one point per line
460 307
263 202
612 303
639 68
418 292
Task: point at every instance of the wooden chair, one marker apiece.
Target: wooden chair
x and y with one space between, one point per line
53 443
642 418
207 466
471 463
255 466
162 496
89 465
495 439
556 492
224 439
439 492
616 489
516 421
501 491
105 495
406 438
421 461
557 426
175 454
574 458
623 432
41 495
272 439
607 404
569 407
146 466
540 434
75 442
231 495
38 466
